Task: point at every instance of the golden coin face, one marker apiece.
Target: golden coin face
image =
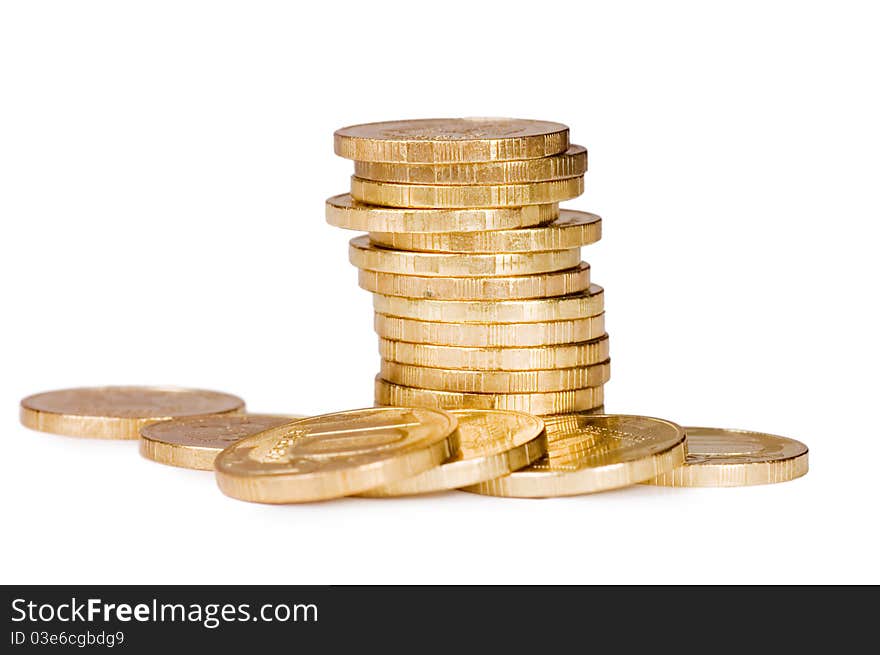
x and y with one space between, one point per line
450 140
587 453
118 412
539 404
496 358
439 195
194 442
335 455
571 230
540 285
345 212
490 443
535 310
733 458
571 163
366 256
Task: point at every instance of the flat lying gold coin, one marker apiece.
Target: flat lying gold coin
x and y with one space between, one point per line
487 195
342 211
587 453
194 442
571 163
364 255
534 310
736 458
491 443
335 455
118 412
451 140
571 230
489 334
540 404
450 379
496 358
542 285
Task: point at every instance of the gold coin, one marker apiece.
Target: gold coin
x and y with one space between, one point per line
588 453
566 355
450 379
551 402
491 443
736 458
534 310
335 455
373 258
118 412
571 230
342 211
571 163
497 195
194 442
451 140
542 285
489 334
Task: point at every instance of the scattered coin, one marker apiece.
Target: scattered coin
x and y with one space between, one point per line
118 412
451 140
491 443
194 442
335 455
587 453
736 458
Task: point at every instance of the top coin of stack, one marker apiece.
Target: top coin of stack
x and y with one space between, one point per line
481 299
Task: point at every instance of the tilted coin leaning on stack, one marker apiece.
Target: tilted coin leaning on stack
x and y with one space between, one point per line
492 339
480 294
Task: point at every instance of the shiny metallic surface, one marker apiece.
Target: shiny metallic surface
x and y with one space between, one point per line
587 453
119 412
719 457
336 455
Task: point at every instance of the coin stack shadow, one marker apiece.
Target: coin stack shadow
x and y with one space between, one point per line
480 297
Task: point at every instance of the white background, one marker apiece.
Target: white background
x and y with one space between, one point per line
163 167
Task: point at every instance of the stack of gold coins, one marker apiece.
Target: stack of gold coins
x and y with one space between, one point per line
480 295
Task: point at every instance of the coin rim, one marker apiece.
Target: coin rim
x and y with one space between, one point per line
431 196
514 171
441 151
357 216
106 427
454 288
584 304
600 344
366 256
587 480
451 475
747 474
451 379
523 239
537 402
291 488
482 335
189 456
